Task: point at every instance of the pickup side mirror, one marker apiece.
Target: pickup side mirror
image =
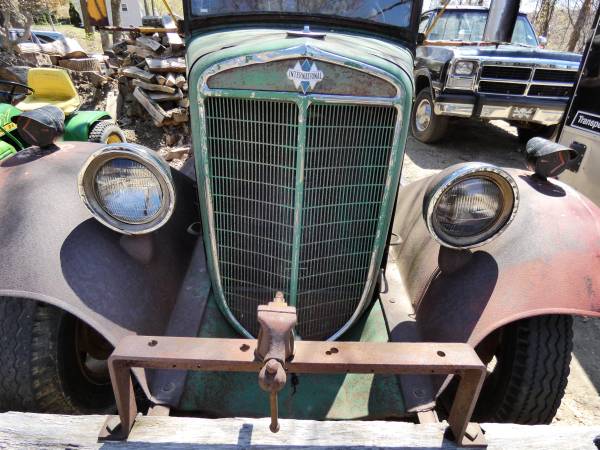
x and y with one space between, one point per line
543 40
421 38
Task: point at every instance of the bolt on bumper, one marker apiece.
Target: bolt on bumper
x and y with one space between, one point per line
209 354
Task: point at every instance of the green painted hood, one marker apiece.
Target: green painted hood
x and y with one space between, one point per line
209 49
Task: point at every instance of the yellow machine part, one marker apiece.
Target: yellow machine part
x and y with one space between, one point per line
51 87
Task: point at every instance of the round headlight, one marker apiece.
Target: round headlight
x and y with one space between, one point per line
128 188
471 205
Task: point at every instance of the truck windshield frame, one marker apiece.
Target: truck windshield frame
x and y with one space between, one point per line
393 18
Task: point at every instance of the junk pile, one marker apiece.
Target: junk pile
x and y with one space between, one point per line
150 68
65 52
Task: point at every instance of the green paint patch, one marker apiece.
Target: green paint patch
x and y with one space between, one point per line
316 397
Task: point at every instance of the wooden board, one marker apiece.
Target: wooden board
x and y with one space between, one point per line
150 44
174 40
154 87
156 112
164 97
166 65
53 432
136 72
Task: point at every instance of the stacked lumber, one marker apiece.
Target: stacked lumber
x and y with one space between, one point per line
152 73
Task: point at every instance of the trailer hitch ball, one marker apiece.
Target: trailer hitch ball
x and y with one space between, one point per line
275 346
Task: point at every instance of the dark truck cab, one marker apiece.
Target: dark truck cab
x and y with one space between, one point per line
461 73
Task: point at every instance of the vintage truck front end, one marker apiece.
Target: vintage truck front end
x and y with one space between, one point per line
292 251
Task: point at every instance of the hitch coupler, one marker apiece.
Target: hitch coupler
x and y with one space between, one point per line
275 347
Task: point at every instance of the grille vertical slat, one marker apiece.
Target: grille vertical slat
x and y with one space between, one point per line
252 169
346 163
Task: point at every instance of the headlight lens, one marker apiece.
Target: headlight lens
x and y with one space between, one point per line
128 188
465 68
128 191
470 205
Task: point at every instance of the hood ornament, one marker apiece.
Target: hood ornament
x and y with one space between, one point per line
305 76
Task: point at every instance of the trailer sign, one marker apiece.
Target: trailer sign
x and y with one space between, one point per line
586 121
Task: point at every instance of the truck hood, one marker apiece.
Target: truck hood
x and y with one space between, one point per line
519 53
220 45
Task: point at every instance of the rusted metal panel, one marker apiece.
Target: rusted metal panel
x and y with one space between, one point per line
310 357
273 76
56 253
546 262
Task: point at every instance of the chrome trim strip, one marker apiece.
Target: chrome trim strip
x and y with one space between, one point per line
297 97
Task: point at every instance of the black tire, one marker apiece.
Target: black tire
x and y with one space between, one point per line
530 376
41 368
435 128
525 134
104 130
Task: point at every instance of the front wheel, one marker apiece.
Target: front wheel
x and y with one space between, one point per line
51 361
528 369
425 124
106 132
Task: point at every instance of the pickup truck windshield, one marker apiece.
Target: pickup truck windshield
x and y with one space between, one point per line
469 25
389 12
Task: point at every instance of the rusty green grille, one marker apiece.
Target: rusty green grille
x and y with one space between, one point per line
296 204
345 169
252 154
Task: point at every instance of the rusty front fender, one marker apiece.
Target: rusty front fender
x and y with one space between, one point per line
546 262
52 250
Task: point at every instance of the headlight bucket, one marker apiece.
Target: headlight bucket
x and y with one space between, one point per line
128 188
470 205
464 68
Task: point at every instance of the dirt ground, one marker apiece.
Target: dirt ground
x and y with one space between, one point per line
497 143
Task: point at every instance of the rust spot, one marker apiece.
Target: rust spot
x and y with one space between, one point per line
589 287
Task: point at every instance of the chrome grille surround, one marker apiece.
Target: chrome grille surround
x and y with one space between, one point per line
486 76
292 285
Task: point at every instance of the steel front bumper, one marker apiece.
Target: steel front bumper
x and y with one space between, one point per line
504 107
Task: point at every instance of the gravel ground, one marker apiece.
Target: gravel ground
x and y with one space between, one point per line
497 143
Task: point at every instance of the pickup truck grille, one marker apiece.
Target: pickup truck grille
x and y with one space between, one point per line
494 87
296 204
562 76
526 81
506 72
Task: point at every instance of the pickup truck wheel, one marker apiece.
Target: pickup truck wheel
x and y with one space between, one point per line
528 373
51 361
536 131
425 125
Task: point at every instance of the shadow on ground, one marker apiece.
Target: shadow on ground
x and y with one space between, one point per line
494 143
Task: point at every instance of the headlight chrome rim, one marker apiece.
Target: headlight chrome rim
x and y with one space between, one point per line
147 158
498 176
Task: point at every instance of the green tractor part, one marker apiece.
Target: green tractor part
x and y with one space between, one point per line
52 86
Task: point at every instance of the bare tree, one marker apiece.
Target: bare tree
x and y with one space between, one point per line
115 7
579 24
544 16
